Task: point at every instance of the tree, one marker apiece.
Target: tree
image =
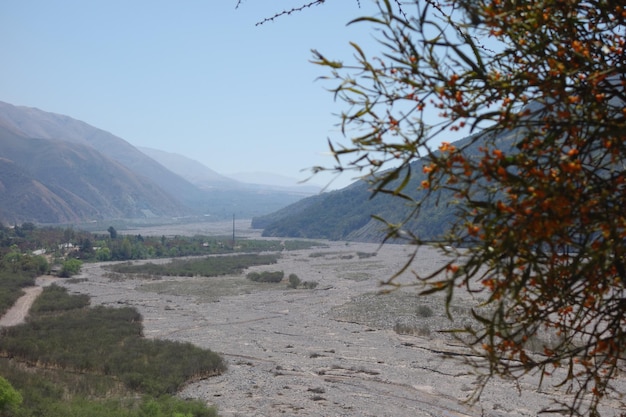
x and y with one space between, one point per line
70 267
10 398
112 232
540 185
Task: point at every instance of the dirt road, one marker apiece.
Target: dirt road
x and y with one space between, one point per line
17 314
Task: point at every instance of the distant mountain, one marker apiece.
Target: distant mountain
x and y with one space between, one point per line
50 181
270 180
346 214
193 171
57 169
248 199
34 123
205 178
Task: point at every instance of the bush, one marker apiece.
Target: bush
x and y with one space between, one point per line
424 311
411 329
266 276
10 399
294 281
56 298
70 267
253 276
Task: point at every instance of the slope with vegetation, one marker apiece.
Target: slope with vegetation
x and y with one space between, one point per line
355 213
69 359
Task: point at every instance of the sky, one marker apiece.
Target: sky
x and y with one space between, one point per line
195 77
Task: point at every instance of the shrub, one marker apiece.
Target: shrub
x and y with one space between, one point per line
410 329
70 267
294 281
266 276
424 311
10 399
56 298
253 276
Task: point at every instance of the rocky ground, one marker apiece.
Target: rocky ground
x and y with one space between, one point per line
328 351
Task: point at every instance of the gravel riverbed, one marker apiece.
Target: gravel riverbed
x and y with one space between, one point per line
328 351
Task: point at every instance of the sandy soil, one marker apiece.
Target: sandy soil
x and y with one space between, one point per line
330 351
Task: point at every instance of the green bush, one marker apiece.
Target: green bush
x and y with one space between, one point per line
294 281
70 267
10 399
95 362
266 276
11 284
424 311
108 341
55 393
56 298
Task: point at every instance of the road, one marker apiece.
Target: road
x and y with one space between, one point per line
17 314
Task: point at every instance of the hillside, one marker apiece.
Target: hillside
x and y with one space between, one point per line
34 123
48 181
57 169
229 196
346 214
189 169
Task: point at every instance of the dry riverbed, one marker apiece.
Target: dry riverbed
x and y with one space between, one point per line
329 351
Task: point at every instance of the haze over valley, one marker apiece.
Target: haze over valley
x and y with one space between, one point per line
55 169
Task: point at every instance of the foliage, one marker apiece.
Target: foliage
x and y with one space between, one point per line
310 285
10 399
56 298
294 281
540 185
107 341
89 360
70 267
55 393
209 267
17 271
19 242
266 276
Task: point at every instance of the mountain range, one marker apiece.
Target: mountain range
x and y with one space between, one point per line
56 169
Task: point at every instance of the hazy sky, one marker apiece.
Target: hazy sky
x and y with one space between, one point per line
194 77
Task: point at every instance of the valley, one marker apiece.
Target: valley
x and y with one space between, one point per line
340 349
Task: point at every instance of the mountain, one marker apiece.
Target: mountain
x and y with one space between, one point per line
228 195
50 181
275 181
34 123
190 169
56 169
206 179
346 214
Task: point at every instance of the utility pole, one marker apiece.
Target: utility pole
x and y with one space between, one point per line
233 231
